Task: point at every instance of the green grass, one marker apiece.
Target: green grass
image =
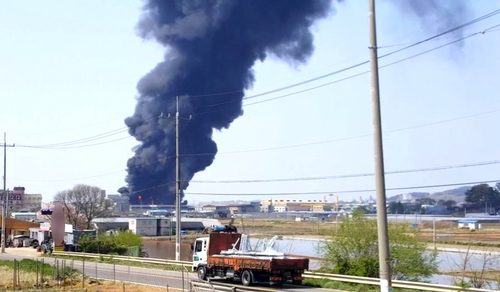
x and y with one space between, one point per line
110 260
32 266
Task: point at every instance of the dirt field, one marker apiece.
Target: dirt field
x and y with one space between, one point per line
446 232
447 235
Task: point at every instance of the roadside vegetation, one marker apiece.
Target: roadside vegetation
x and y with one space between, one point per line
117 244
353 250
27 273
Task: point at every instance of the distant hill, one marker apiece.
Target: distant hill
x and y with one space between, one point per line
457 194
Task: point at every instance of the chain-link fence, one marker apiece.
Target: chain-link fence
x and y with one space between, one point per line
51 274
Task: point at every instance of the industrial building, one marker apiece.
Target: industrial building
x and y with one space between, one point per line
294 205
230 207
152 226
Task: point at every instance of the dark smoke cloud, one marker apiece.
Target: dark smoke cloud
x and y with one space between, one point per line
212 46
437 16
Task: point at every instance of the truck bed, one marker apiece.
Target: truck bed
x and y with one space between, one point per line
241 262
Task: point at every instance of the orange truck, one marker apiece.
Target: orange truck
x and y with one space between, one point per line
226 255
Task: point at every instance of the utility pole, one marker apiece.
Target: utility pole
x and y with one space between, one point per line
5 194
177 187
382 226
177 184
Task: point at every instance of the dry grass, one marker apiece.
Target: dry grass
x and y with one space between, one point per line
7 278
493 275
29 281
446 230
121 287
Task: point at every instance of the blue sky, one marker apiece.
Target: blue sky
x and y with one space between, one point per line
70 68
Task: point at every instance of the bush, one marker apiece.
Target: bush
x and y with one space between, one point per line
110 244
354 251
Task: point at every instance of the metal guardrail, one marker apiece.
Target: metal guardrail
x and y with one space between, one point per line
122 258
205 286
395 283
307 274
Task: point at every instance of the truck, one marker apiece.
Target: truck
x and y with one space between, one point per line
226 254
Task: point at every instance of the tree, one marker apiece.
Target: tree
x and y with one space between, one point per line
83 203
426 201
449 204
482 194
360 210
396 208
354 251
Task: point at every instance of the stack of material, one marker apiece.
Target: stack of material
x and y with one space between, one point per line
245 249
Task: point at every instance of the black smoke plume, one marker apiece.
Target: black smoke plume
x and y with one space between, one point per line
211 47
437 16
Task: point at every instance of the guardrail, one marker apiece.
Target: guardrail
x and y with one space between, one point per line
205 286
311 275
395 283
122 258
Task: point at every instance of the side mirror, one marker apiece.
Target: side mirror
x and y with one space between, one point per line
192 246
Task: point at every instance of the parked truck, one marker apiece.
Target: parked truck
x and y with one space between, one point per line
227 255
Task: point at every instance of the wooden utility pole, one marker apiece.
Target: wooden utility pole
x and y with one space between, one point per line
5 204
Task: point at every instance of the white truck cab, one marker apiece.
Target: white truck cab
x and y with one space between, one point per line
200 252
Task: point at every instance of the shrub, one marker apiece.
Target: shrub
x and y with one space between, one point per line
110 244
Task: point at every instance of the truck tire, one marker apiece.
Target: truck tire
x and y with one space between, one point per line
202 273
246 278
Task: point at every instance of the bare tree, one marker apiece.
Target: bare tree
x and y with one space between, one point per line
477 268
83 203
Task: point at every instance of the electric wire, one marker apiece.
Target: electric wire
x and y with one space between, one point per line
107 134
344 191
345 78
347 138
483 163
70 144
279 147
476 20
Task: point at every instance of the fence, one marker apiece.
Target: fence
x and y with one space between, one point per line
51 274
178 275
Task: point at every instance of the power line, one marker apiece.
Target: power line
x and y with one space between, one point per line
70 144
348 138
476 20
347 175
103 174
348 77
344 191
124 129
276 148
436 168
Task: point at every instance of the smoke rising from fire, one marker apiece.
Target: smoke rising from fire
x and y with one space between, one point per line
211 47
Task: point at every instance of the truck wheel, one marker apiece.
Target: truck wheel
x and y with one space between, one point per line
246 278
202 273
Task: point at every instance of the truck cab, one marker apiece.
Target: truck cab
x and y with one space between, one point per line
200 252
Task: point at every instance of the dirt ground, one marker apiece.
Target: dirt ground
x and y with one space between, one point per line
29 280
447 235
121 287
484 275
446 231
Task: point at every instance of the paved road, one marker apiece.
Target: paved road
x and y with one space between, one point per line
139 275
